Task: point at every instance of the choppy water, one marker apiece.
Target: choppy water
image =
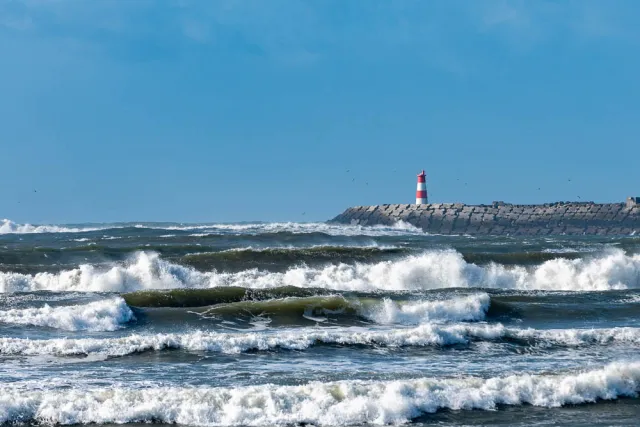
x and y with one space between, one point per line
291 324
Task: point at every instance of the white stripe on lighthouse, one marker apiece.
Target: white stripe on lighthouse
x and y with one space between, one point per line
421 190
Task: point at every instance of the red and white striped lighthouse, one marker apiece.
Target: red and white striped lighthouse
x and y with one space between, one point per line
421 191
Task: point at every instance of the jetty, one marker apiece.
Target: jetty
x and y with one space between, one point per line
500 218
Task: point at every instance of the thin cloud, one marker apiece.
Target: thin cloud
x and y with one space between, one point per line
304 32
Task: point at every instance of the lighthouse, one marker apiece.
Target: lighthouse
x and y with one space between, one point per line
421 191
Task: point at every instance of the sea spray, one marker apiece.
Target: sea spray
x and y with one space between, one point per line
340 403
105 315
467 308
613 269
398 229
426 335
9 227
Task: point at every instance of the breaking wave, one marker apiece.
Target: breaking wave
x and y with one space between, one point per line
332 229
303 338
400 228
385 311
469 308
341 403
106 315
283 257
431 270
9 227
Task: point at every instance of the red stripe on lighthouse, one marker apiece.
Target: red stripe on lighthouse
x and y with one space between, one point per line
421 191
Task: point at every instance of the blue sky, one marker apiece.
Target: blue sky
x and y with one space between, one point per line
231 110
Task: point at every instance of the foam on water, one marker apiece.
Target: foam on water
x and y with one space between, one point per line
469 308
317 403
233 343
304 338
9 227
398 229
435 269
106 315
291 248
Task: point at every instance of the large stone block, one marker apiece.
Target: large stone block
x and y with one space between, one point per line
476 218
503 221
498 230
448 219
446 229
461 223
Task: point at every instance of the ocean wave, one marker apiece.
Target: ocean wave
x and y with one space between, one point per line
283 257
399 228
467 308
9 227
352 402
381 311
431 270
518 258
233 343
425 335
105 315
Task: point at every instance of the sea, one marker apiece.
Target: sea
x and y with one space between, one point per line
315 324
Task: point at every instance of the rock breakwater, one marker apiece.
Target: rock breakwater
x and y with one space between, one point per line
568 218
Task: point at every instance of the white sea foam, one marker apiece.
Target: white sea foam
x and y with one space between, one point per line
232 343
295 248
436 269
399 228
317 403
9 227
472 307
105 315
304 338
